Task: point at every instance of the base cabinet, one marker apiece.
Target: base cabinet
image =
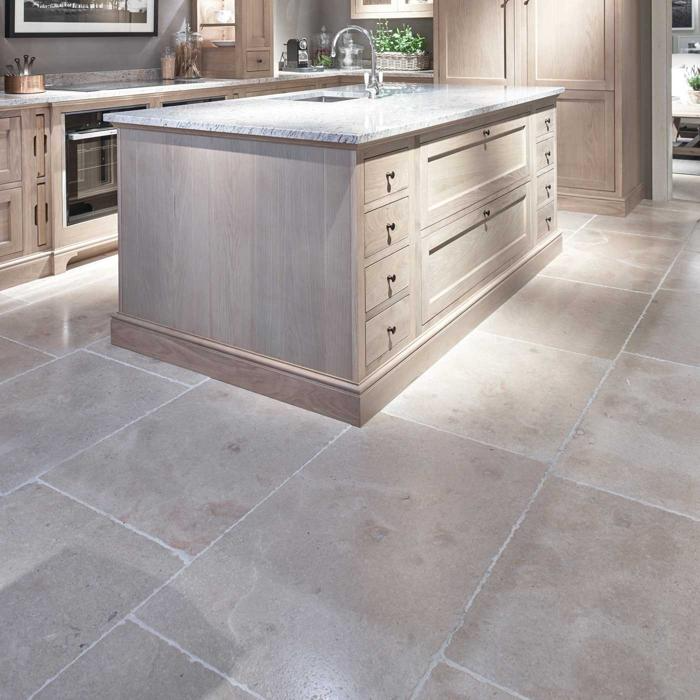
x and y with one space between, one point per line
11 229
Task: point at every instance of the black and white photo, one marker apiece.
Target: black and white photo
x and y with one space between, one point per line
81 18
683 14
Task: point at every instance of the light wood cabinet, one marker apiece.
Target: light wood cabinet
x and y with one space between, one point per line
391 9
11 229
10 149
589 47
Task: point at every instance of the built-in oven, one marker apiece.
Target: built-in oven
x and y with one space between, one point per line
91 185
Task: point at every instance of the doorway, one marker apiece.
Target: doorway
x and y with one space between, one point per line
675 108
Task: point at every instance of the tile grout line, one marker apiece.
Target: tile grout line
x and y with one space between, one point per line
192 657
482 679
94 444
27 371
186 566
140 369
661 359
31 347
483 443
585 484
180 553
592 284
440 654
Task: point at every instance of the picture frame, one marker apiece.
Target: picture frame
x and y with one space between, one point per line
684 15
80 18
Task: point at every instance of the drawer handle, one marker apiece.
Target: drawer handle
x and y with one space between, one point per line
548 122
391 278
391 330
548 156
487 213
389 176
548 190
549 221
391 227
487 132
260 60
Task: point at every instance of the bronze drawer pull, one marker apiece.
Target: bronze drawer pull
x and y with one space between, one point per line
548 220
548 122
548 190
487 213
391 330
391 227
548 155
487 132
391 175
391 278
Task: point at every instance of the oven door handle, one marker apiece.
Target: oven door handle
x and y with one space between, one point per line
94 134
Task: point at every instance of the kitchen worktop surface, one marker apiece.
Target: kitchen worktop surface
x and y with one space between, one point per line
112 90
409 108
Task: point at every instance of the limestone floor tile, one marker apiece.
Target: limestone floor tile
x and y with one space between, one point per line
684 276
7 303
131 663
615 259
188 471
104 347
347 581
67 576
641 436
649 221
570 315
595 597
677 204
15 359
572 220
670 329
66 321
522 397
49 414
448 683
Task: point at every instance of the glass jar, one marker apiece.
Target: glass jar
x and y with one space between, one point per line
188 53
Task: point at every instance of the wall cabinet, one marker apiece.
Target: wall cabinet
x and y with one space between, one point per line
392 9
593 50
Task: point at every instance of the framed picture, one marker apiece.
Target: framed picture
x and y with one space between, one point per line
683 14
68 18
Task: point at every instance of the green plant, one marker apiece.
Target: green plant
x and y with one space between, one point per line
324 60
401 40
692 75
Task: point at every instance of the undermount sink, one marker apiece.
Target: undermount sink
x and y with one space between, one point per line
327 98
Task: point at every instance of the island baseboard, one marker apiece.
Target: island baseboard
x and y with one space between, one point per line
340 399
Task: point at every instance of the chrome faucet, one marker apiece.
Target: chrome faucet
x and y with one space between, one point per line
374 84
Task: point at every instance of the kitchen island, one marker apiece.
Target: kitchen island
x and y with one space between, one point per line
323 248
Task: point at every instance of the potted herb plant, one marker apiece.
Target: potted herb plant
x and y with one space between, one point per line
692 76
400 48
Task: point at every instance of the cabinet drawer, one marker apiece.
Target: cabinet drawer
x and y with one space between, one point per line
387 331
387 226
385 175
461 171
11 228
545 122
546 154
546 221
257 61
465 254
386 278
546 187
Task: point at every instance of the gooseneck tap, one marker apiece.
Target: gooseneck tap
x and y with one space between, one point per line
374 85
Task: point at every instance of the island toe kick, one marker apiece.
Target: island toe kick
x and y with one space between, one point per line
330 276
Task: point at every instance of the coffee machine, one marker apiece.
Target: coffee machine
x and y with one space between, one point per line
298 53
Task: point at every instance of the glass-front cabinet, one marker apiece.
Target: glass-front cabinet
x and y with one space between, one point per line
372 9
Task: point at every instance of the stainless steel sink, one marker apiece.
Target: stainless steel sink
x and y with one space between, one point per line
327 98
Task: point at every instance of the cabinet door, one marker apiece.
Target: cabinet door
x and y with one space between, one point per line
11 221
477 42
372 8
574 48
586 140
10 149
258 24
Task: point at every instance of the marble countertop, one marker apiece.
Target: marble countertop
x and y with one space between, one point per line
60 96
410 108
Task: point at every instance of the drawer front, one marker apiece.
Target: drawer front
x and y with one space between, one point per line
546 187
386 332
386 278
387 226
11 228
385 175
545 122
546 221
461 171
465 254
257 61
546 154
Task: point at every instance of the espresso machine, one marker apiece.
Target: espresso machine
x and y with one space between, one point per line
298 53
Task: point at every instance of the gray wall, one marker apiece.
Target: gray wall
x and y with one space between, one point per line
293 18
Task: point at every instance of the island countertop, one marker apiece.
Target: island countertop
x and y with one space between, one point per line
409 108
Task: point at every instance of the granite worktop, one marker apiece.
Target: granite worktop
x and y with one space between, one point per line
114 78
408 109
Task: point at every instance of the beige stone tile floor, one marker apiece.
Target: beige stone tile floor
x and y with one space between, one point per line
522 522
